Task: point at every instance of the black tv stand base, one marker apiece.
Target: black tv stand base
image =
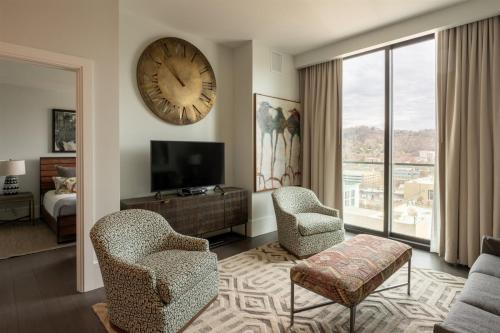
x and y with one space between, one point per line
225 239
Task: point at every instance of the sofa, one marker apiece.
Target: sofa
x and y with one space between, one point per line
305 225
477 309
155 279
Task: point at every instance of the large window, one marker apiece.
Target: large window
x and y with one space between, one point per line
389 139
363 139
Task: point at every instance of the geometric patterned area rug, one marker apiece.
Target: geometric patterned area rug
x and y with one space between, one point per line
255 297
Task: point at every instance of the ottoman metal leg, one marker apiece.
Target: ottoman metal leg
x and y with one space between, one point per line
409 276
292 301
352 319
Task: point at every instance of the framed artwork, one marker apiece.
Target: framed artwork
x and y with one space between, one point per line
63 131
277 145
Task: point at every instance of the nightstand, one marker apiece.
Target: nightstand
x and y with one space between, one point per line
22 197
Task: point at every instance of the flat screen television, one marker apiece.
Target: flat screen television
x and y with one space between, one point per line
183 164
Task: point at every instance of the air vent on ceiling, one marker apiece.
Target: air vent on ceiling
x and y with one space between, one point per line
276 62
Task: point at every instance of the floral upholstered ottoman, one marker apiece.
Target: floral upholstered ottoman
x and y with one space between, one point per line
348 272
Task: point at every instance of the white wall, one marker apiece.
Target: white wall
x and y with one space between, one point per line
243 120
86 29
253 74
462 13
283 85
26 127
138 125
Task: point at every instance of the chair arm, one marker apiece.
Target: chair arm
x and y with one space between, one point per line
129 285
283 215
490 245
187 243
135 271
325 210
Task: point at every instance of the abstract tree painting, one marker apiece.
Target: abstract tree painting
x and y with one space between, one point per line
277 143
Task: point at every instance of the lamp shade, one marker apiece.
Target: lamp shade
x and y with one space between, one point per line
12 168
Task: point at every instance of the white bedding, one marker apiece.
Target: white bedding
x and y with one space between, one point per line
52 203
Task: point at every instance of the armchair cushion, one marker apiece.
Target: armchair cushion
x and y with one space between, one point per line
178 271
314 223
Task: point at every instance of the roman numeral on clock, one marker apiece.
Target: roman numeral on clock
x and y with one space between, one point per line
158 62
205 98
197 111
208 85
168 107
203 70
194 55
166 51
154 91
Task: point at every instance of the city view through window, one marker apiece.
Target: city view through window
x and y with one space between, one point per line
413 136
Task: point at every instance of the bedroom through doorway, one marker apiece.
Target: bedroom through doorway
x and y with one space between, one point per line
38 150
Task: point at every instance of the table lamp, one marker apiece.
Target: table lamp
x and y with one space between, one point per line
11 169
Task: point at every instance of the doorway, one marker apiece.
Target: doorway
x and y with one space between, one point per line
37 154
87 270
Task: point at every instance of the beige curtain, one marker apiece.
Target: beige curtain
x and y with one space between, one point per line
321 97
469 137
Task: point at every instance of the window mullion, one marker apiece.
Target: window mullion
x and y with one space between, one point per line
388 142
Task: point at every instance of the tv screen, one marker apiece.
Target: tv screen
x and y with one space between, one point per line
181 164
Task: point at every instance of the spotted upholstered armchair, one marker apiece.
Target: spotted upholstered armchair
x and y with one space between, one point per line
155 279
305 226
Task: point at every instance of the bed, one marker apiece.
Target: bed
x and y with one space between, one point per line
57 210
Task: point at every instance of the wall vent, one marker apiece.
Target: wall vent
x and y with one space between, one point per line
276 62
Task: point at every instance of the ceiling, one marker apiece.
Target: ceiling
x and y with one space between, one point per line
291 26
26 74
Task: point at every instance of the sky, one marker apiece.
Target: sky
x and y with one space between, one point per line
413 88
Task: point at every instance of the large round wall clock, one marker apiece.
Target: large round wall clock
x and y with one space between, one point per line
176 81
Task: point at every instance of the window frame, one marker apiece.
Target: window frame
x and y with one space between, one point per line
388 131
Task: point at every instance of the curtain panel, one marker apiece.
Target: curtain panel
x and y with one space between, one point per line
321 97
469 138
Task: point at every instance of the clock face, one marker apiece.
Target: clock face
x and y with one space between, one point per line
176 81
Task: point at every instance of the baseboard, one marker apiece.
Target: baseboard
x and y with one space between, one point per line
262 225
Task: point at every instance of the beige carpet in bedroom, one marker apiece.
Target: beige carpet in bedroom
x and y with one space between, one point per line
20 238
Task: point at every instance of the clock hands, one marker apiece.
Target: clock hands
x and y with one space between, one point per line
174 73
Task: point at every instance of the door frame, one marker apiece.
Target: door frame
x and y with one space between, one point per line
87 271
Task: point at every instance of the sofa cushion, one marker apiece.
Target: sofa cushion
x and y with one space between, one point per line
482 291
179 271
467 318
314 223
487 264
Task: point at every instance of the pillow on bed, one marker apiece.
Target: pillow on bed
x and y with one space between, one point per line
65 185
66 172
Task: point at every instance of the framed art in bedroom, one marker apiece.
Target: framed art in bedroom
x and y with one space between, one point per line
277 143
63 131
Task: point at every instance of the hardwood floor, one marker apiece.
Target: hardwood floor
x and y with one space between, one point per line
38 291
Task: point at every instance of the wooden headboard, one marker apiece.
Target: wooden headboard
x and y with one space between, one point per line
48 170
